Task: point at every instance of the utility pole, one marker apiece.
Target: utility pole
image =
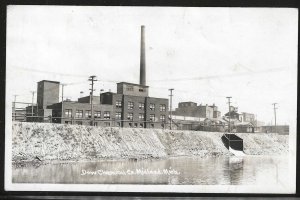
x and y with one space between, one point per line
32 103
274 104
229 113
62 102
171 95
92 79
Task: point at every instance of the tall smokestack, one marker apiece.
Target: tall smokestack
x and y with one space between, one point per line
143 58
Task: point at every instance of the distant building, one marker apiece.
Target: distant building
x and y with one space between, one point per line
281 129
190 109
248 117
244 127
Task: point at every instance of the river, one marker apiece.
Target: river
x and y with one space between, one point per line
250 170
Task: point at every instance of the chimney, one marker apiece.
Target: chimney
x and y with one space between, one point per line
143 58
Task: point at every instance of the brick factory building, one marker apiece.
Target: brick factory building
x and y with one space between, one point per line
134 108
129 107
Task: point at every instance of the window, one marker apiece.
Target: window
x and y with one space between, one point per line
106 124
106 115
141 106
141 90
119 104
118 124
130 116
135 125
97 114
118 115
88 114
141 116
162 125
68 112
95 123
162 118
129 88
130 124
79 114
162 107
68 122
141 125
152 106
152 117
152 125
130 105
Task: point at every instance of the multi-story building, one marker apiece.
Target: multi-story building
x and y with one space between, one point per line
132 107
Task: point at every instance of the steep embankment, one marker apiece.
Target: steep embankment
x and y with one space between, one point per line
74 142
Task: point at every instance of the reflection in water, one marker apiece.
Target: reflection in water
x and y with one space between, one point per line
249 170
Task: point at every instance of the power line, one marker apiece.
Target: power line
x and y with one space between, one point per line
218 76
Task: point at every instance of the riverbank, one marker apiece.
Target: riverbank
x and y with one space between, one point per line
43 142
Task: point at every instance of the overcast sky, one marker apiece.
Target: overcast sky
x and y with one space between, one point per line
205 54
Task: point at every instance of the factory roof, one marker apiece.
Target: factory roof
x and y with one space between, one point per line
133 84
49 81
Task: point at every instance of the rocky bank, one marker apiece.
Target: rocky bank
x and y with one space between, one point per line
45 141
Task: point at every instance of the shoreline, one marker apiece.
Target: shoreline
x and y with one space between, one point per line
35 163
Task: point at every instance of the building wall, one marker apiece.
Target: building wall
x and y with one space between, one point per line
132 89
157 102
47 93
111 99
135 121
190 109
248 117
244 129
217 114
281 129
87 99
206 111
84 120
31 117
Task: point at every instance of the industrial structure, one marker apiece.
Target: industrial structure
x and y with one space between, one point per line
131 106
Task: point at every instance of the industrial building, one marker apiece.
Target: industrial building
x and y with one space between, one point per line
190 116
131 106
190 109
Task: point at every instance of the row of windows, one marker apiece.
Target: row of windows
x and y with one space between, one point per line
130 106
106 115
135 125
130 88
141 117
80 123
88 114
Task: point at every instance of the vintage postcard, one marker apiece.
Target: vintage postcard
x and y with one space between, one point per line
151 99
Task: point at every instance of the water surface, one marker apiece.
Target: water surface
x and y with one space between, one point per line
251 170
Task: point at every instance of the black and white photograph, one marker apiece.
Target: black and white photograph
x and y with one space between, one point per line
151 99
